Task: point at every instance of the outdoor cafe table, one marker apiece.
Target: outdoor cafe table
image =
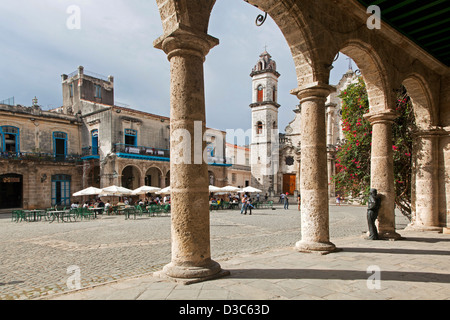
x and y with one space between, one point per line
96 211
56 214
34 213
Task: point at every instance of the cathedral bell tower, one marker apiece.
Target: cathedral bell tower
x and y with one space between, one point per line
265 138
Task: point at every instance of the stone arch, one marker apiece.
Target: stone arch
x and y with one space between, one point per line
373 72
167 178
259 127
131 177
93 176
155 174
297 32
421 99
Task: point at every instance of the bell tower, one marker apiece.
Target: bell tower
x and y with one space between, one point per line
265 138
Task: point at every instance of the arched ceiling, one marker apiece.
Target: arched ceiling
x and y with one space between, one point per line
425 22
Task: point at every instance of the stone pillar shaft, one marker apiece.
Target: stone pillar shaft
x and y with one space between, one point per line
189 182
382 170
425 213
190 229
314 173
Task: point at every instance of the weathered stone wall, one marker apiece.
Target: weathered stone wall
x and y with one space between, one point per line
37 179
36 128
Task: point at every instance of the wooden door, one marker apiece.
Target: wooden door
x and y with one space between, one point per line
289 183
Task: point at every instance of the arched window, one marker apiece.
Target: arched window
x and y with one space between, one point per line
259 127
274 94
260 93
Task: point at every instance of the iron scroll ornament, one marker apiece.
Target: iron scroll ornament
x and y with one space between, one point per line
260 19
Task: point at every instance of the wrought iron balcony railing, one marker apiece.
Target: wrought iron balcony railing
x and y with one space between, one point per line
141 151
40 156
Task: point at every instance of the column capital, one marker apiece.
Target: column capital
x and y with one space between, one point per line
315 90
185 41
383 116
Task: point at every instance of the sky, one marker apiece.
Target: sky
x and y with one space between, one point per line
41 40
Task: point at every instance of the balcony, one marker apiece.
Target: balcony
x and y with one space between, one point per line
89 153
39 156
155 154
140 152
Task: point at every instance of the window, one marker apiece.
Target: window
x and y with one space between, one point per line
274 94
94 135
131 137
9 137
259 127
61 190
260 94
98 91
60 145
71 90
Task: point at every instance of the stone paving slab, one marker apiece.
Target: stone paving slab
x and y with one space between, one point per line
415 268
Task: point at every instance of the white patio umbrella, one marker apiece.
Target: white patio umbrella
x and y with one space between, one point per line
115 191
87 192
145 190
214 189
250 189
164 191
230 189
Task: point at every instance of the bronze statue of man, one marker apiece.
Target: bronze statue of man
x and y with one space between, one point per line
372 214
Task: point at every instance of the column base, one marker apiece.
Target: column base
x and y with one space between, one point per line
316 247
389 235
189 275
446 230
416 227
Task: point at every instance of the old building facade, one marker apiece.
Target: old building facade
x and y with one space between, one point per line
46 156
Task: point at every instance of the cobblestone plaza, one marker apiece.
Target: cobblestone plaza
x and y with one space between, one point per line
37 255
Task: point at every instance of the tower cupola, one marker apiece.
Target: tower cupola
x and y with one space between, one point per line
265 64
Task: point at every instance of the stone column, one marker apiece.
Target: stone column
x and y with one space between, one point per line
191 256
425 206
313 170
382 170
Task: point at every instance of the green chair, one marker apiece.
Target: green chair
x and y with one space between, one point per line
17 215
166 208
130 211
72 215
84 213
155 209
139 210
40 214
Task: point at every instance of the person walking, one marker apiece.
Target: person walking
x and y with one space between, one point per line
338 200
244 203
286 201
248 206
299 200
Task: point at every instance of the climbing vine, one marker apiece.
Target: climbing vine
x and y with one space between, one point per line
353 155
